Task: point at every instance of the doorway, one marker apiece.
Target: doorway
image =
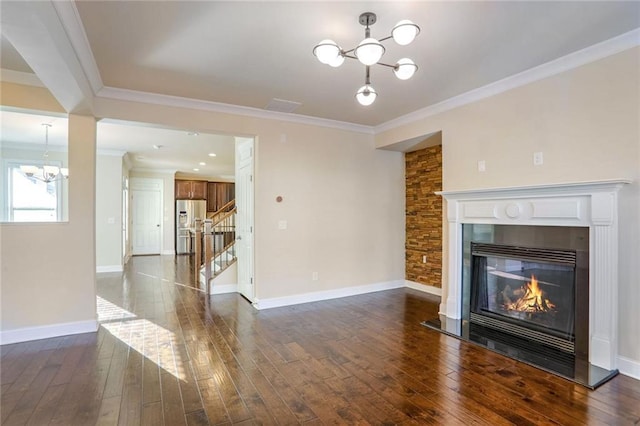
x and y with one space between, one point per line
244 216
146 209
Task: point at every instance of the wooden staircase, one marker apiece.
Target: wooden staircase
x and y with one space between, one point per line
215 245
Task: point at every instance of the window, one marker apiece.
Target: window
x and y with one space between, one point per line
30 144
30 199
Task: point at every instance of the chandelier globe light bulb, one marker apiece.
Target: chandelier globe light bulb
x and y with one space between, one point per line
327 51
369 51
337 61
366 95
405 69
405 32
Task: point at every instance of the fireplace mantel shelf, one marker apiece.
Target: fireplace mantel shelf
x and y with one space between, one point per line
547 189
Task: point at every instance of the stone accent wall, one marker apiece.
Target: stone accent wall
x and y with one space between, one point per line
423 174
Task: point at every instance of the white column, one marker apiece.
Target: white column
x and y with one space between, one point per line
453 308
603 276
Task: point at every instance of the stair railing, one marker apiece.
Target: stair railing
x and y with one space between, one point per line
215 245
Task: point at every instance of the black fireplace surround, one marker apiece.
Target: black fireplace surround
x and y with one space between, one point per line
525 294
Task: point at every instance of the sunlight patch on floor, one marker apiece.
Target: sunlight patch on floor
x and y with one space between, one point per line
107 311
154 342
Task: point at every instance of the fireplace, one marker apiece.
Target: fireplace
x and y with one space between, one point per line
526 291
529 282
532 273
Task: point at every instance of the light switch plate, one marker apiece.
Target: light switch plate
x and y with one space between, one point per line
538 159
482 166
282 224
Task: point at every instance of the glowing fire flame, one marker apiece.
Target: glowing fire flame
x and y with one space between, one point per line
531 299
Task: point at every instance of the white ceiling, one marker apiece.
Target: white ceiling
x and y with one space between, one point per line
247 53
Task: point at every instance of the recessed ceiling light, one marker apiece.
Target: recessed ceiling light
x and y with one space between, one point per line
193 133
211 154
202 163
157 146
196 170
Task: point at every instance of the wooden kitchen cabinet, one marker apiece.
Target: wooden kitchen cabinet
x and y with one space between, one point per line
199 191
219 194
211 196
191 190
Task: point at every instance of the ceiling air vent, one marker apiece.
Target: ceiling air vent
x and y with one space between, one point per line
280 105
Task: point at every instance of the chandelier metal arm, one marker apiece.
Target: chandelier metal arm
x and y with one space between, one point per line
387 65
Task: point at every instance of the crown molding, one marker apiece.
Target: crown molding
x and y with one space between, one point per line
573 60
70 19
180 102
20 77
153 171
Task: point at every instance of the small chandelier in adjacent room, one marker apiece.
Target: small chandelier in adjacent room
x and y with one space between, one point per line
47 173
369 52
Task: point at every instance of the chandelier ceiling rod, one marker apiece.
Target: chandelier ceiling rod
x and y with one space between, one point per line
369 52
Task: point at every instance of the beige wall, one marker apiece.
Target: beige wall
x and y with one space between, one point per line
48 269
343 202
586 121
108 212
28 97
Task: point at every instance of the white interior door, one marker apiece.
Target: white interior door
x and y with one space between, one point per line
146 212
244 216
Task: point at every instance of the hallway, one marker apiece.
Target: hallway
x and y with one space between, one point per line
165 354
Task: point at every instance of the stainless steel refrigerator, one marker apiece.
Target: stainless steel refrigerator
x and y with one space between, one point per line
187 211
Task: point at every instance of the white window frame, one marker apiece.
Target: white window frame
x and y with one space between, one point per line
7 197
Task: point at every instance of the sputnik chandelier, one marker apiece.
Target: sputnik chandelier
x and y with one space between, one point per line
47 173
369 52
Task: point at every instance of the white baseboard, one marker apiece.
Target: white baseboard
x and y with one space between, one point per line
223 288
26 334
168 252
423 287
316 296
109 268
629 367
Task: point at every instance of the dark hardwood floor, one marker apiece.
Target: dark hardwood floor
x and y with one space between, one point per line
166 354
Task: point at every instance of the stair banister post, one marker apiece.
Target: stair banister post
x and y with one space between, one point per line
197 249
208 241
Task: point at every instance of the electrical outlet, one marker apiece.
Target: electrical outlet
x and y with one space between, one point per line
282 224
482 166
314 276
424 258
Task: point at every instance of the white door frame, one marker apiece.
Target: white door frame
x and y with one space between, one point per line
146 184
245 157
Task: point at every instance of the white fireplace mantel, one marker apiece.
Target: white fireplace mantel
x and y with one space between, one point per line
588 204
